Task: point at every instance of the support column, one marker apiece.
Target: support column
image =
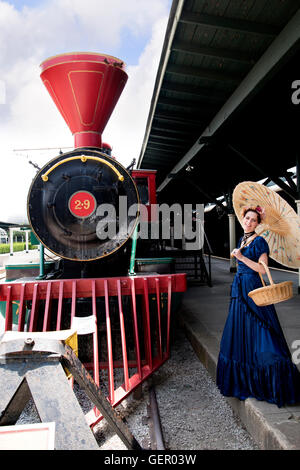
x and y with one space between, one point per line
232 240
11 240
42 262
26 238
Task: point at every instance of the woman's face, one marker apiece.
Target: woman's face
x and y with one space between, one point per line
250 221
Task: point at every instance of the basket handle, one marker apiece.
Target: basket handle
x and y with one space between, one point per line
268 274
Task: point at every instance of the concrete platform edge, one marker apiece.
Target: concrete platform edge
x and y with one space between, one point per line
265 432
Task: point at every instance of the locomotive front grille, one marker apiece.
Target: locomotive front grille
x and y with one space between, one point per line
128 323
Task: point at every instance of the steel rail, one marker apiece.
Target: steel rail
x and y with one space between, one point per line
156 434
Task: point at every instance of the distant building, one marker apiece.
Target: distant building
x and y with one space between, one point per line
3 236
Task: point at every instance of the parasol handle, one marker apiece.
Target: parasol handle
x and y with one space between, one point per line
246 244
268 274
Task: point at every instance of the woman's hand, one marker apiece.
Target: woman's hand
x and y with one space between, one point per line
251 264
237 253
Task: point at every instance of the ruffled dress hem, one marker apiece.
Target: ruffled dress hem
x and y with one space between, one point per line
242 381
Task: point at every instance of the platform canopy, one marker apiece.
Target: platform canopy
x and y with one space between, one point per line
225 102
7 225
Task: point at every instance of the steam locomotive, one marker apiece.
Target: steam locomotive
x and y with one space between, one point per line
127 317
67 194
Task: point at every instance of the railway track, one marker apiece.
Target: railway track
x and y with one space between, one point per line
155 427
194 415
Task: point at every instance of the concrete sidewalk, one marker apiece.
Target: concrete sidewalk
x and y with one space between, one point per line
23 257
19 257
203 315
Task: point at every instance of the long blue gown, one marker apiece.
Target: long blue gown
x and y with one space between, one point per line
254 359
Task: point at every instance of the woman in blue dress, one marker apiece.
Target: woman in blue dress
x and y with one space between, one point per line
254 359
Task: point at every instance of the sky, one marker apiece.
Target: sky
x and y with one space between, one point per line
33 30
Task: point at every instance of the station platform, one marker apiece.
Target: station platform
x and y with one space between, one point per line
203 315
19 257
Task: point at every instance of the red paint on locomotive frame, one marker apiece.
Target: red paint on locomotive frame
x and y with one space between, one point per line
82 204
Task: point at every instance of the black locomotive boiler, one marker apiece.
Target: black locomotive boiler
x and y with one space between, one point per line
63 210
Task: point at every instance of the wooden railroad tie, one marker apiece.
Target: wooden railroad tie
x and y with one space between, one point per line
34 365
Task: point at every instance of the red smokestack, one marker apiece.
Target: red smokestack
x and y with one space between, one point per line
85 88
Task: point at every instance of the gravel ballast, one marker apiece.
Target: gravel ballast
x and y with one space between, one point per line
194 415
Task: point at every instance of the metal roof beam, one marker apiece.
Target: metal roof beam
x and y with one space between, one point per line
288 176
161 135
159 149
288 189
153 141
160 164
203 93
184 120
233 24
159 160
156 156
173 129
203 73
256 78
181 103
284 187
227 54
207 195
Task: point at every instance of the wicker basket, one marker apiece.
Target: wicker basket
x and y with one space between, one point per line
273 293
